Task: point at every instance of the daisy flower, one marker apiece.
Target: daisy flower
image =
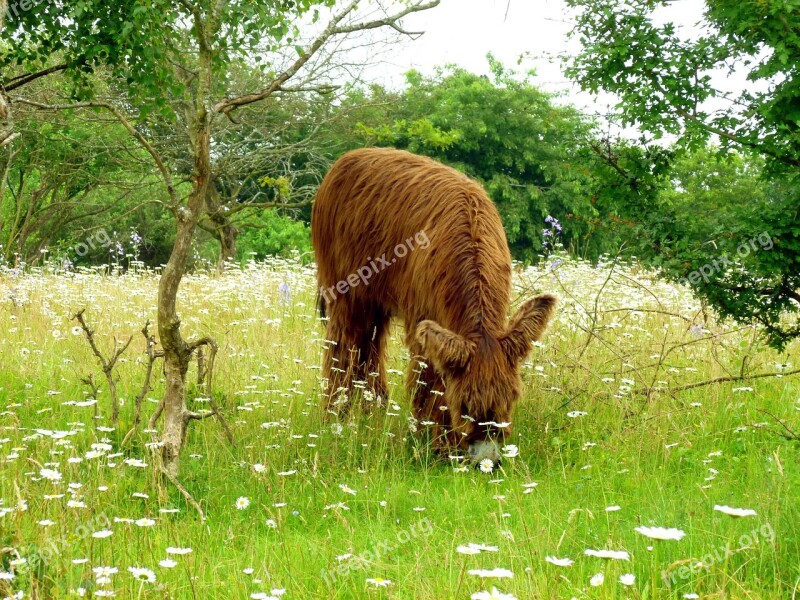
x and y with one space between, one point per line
141 574
608 554
735 512
103 533
497 572
597 580
627 579
661 533
242 502
559 562
379 582
486 465
495 594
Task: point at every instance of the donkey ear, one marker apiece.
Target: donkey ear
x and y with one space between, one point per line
527 326
447 350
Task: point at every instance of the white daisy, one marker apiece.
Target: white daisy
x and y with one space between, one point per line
497 572
661 533
735 512
495 594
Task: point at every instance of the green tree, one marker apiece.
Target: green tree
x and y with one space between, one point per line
502 130
173 60
665 85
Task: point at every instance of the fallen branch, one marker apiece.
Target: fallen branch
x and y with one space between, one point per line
186 494
719 380
789 435
205 372
152 356
107 365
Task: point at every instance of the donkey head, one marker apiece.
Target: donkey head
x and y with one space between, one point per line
482 378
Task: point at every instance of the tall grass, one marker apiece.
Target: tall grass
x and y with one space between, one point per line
336 509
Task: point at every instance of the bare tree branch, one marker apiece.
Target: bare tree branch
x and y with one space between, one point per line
333 29
165 173
20 80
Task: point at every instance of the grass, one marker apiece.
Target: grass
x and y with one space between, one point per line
369 487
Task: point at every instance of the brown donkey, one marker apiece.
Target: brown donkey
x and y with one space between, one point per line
400 235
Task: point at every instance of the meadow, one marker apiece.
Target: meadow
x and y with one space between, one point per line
610 443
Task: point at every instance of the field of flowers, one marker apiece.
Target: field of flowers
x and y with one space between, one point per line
621 479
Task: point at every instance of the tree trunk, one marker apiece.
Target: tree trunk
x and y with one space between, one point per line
226 236
6 129
177 353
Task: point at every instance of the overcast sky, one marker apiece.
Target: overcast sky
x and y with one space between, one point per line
464 31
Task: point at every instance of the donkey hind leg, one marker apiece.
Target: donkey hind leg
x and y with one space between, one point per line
426 388
355 347
372 351
339 360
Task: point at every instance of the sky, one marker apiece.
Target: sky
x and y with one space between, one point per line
464 31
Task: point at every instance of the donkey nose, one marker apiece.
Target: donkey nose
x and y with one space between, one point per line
484 449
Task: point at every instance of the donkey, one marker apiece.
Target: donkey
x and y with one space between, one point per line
401 235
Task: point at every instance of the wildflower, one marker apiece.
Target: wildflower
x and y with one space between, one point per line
50 474
141 574
661 533
476 548
103 533
486 465
608 554
242 503
379 582
597 580
559 562
735 512
495 594
510 451
179 551
145 522
627 579
167 563
498 573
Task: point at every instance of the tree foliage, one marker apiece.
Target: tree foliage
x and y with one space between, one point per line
667 85
517 140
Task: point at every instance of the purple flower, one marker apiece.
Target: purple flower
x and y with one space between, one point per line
547 233
286 292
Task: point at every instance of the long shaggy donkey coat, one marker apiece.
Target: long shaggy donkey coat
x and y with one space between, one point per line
400 235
